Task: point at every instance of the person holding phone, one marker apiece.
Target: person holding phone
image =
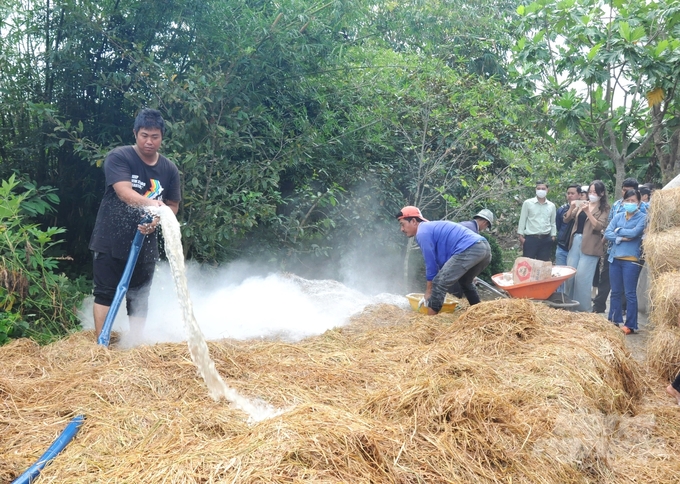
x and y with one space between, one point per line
586 244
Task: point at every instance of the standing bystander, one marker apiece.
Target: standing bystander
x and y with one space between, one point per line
137 177
604 287
587 244
537 229
564 228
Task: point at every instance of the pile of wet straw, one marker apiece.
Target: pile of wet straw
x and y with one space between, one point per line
507 391
662 247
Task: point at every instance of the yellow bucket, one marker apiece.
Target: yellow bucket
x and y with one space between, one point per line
414 298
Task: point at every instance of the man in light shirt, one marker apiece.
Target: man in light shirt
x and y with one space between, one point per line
537 229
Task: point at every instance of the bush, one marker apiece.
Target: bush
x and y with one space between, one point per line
497 264
35 300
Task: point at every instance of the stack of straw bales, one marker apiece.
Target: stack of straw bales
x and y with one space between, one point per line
507 391
662 254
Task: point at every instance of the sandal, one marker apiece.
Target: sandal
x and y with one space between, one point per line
626 330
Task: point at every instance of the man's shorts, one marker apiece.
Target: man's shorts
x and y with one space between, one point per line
107 273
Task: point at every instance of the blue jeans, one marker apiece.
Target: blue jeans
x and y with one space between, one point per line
561 260
623 277
580 287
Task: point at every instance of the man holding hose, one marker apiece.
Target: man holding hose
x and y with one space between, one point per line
452 253
137 177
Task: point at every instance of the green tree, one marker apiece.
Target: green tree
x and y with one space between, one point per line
600 66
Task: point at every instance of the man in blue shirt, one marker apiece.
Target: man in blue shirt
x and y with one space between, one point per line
452 254
480 222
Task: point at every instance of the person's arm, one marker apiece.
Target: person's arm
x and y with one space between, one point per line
174 205
125 192
425 241
428 290
571 212
597 223
610 232
633 232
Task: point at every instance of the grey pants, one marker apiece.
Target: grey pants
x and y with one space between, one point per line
461 268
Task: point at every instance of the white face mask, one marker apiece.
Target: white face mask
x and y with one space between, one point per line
541 193
593 198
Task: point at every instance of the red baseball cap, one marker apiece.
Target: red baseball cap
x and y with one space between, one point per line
411 211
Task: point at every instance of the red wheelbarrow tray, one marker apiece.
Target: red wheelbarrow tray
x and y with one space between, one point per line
535 289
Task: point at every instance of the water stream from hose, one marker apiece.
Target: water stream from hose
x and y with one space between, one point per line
198 348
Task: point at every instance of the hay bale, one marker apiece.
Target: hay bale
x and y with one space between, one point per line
661 251
663 351
486 396
665 297
664 211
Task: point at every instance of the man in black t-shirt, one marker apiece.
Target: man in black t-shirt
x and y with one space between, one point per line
137 176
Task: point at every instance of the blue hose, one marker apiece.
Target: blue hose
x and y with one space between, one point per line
123 285
32 473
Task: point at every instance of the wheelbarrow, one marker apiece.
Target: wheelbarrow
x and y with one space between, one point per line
538 290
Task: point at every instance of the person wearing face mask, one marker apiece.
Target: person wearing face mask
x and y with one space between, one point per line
586 244
537 229
625 234
603 288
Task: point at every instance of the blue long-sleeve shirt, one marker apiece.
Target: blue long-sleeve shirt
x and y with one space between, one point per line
616 209
632 228
440 240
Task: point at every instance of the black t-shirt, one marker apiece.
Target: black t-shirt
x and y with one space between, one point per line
117 222
580 222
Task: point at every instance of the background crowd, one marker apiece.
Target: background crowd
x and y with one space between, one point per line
602 242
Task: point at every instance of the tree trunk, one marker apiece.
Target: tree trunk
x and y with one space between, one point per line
666 148
669 158
620 165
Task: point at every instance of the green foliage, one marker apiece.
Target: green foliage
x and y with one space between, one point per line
34 299
497 264
299 127
593 65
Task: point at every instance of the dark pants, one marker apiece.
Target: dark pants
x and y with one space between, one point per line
460 268
539 247
603 288
676 383
107 272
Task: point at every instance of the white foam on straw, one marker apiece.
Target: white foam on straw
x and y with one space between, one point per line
229 305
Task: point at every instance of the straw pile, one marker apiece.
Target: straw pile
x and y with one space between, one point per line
663 346
664 210
662 246
506 391
661 251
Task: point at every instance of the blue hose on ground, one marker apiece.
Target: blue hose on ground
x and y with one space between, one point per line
123 285
33 472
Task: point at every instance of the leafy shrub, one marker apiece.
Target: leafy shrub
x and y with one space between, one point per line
497 264
35 300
